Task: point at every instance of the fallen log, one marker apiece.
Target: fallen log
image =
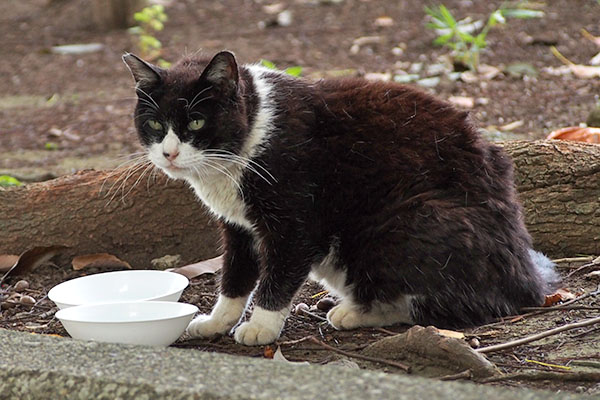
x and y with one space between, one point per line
558 183
137 220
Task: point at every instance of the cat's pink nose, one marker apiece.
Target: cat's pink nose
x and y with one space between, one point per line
171 155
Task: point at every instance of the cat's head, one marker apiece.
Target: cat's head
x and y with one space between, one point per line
189 117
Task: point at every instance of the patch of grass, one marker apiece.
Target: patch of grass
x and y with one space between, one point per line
467 38
295 71
8 181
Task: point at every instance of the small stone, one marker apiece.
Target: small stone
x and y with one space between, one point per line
397 51
166 262
21 285
300 308
379 76
474 343
384 22
429 82
25 299
284 18
325 304
462 101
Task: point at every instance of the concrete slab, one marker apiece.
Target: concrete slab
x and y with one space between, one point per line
45 367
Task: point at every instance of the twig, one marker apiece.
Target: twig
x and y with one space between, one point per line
559 307
540 310
572 260
546 375
387 331
291 342
594 263
313 315
538 336
361 356
466 374
585 333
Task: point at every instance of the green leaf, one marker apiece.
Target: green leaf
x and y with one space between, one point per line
150 41
51 146
163 63
156 25
445 13
443 39
135 30
6 180
267 63
466 37
294 71
480 40
496 18
521 13
141 17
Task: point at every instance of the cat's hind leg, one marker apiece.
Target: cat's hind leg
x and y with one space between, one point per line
349 315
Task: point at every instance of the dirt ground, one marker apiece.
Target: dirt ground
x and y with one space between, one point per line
63 113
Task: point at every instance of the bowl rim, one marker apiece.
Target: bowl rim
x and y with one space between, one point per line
54 292
193 309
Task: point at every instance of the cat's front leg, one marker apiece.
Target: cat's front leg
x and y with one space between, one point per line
285 271
239 275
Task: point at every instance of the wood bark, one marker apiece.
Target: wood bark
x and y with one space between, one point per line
558 183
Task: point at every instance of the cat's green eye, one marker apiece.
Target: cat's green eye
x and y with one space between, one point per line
154 124
196 124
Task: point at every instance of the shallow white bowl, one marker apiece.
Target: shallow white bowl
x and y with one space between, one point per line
119 286
155 323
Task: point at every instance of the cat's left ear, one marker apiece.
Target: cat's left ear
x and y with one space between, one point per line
145 74
222 72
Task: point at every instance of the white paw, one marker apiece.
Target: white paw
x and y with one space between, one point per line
207 326
263 328
344 316
226 313
254 334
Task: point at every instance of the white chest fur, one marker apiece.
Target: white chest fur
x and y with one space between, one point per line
221 193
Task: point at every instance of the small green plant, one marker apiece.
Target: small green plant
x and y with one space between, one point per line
293 71
51 146
465 38
151 20
7 180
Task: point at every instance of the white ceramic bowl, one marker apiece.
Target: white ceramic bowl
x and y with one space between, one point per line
119 286
154 323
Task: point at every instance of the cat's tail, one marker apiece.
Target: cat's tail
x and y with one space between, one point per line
546 269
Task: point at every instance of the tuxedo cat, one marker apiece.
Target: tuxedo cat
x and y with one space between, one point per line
387 196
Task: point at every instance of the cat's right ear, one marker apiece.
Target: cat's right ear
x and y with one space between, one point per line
145 74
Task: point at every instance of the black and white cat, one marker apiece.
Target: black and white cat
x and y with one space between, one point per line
386 195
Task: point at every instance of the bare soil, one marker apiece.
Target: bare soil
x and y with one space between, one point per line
81 105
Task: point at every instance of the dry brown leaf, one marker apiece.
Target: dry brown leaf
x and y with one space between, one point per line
588 135
98 260
269 352
30 259
7 261
203 267
559 296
